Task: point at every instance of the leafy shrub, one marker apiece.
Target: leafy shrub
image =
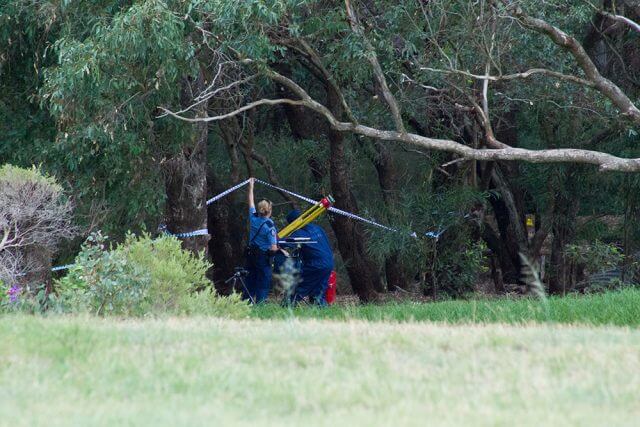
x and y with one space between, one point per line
595 257
173 271
444 253
34 217
142 276
25 299
103 282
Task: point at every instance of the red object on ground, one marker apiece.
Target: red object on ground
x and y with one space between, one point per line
330 295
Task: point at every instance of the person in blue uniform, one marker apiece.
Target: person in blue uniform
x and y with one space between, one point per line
317 263
262 246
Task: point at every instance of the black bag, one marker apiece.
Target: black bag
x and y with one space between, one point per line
252 250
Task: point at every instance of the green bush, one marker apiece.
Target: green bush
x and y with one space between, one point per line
450 259
103 282
23 299
174 272
595 257
139 277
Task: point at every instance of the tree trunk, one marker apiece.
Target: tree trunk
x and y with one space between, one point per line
186 182
228 232
564 229
387 178
352 241
362 271
510 220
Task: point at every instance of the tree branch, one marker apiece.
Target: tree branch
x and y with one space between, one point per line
377 69
523 75
605 162
233 113
634 25
603 85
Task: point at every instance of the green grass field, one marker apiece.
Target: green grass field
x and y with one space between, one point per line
89 371
614 308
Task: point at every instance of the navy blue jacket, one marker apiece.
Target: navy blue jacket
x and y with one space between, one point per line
315 256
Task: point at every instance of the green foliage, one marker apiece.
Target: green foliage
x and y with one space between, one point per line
103 282
139 277
25 299
13 175
595 257
208 303
173 271
443 252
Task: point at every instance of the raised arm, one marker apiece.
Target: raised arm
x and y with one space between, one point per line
250 201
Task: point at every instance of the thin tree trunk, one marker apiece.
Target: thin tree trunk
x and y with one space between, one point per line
564 220
387 178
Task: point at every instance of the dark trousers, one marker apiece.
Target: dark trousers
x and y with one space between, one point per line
259 279
313 284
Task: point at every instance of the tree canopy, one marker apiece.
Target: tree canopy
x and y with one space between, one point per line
446 116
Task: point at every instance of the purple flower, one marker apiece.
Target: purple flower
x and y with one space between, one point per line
13 293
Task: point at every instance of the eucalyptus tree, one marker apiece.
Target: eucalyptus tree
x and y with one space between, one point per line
480 61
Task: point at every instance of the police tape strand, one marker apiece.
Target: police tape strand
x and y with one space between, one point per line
226 192
205 232
331 209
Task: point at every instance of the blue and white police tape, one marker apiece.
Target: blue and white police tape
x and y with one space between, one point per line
431 234
63 267
162 228
201 232
229 191
331 209
345 213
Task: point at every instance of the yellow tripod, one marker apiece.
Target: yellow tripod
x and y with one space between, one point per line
308 216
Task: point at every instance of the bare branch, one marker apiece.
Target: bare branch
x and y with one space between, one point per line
233 113
377 69
523 75
208 94
606 162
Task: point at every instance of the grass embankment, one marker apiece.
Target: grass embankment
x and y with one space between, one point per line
614 308
91 371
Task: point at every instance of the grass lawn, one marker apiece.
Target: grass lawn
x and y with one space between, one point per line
620 308
90 371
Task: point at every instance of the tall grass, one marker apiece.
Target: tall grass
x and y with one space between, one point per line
621 308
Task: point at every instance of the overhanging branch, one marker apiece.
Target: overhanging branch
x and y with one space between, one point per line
605 162
603 85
